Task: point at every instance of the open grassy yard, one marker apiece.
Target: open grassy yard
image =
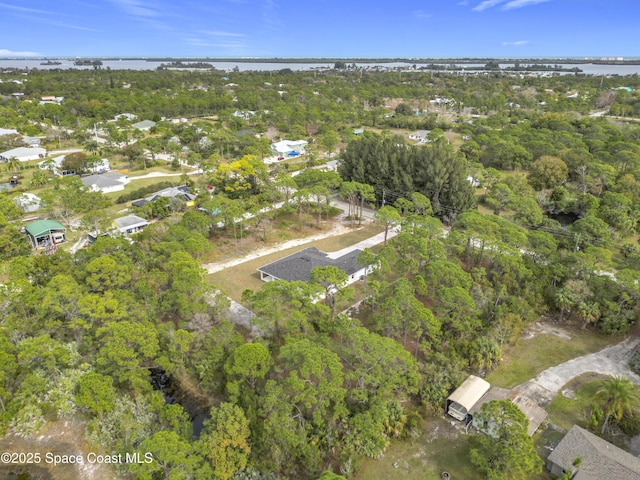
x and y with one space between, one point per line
441 448
233 281
573 405
533 355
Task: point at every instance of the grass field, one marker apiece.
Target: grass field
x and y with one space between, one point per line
565 411
441 448
531 356
233 281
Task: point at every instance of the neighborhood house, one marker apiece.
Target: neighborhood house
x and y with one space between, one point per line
599 459
23 154
130 224
106 182
289 147
27 202
298 266
181 193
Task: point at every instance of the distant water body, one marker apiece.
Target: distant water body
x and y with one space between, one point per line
129 64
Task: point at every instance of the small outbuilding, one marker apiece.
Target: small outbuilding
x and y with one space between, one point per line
463 399
534 413
45 233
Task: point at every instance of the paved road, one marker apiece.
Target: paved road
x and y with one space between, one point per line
612 360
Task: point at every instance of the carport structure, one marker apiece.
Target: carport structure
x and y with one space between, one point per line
462 400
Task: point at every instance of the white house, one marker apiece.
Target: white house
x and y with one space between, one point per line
130 224
55 165
8 131
27 202
129 116
144 125
421 136
287 147
106 182
23 154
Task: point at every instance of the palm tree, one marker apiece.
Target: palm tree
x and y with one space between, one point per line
617 397
91 147
13 164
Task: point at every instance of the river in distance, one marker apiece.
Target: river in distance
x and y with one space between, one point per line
142 64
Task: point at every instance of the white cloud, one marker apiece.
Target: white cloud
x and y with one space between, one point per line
9 53
24 9
422 14
521 3
509 5
137 8
56 23
222 34
517 43
486 4
227 44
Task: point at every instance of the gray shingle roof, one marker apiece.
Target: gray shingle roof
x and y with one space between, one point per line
600 459
298 265
130 221
104 180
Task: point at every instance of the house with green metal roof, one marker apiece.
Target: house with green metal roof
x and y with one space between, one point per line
45 233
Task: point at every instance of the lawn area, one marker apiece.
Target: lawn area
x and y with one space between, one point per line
233 281
531 356
573 405
441 448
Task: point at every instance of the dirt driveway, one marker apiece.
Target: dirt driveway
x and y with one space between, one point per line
612 360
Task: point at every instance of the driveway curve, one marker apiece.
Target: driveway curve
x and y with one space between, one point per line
612 360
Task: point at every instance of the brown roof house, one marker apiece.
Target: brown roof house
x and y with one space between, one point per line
599 459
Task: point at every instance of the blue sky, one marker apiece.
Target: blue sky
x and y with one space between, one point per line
316 28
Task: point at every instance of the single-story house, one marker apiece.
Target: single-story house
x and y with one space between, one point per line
105 182
130 224
45 233
8 131
534 413
129 116
23 154
357 131
27 202
599 459
181 192
298 266
421 136
31 141
463 399
285 147
56 166
100 166
52 99
144 125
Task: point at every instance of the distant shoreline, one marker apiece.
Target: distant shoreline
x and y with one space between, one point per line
362 60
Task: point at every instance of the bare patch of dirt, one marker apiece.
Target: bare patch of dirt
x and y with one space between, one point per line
62 437
545 325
